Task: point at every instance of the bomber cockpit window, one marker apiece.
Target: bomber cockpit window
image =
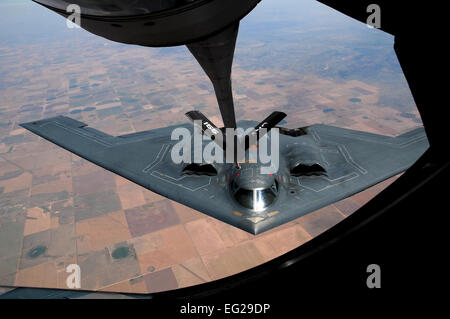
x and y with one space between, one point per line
256 199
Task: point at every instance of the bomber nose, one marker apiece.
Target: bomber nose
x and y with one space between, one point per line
254 192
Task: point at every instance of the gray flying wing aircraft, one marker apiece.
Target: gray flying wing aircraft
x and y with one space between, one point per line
318 165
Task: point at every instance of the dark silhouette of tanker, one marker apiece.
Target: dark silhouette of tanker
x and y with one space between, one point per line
208 28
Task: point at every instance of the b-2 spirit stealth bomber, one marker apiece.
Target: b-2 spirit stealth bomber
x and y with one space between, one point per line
316 165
